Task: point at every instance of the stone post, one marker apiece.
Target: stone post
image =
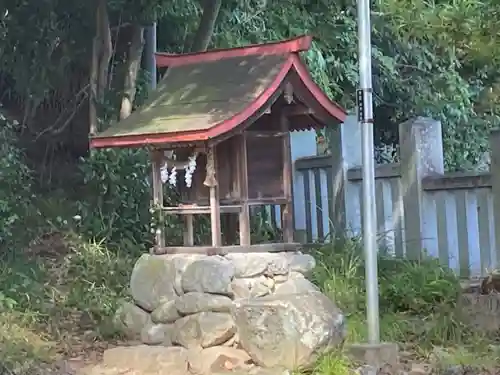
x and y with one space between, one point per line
421 154
495 191
345 149
303 144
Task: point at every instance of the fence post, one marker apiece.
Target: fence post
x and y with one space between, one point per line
495 190
421 155
302 144
345 149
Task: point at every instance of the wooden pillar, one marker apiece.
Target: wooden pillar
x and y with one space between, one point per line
157 161
188 230
495 190
244 221
211 183
287 208
215 217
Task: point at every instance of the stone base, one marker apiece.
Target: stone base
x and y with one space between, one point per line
154 360
380 355
229 249
258 303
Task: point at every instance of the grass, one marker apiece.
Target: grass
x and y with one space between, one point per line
21 344
418 310
409 293
58 298
334 363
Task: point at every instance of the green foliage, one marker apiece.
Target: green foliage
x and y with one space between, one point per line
85 276
333 363
262 228
420 287
144 11
411 76
469 27
22 347
47 301
101 278
16 178
61 31
461 62
427 65
116 196
418 299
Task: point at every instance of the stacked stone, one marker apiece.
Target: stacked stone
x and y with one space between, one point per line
242 301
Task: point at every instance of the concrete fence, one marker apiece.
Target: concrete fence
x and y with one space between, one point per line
420 208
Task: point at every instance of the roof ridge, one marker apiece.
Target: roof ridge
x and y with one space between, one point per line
295 45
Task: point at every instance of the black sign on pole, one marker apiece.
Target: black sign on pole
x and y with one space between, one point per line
360 103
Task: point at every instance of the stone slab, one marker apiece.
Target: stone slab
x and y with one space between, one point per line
224 250
378 355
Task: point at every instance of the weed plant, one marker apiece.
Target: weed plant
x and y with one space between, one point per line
418 308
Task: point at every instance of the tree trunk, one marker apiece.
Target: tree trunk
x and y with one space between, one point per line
131 71
106 49
93 128
200 43
205 30
102 50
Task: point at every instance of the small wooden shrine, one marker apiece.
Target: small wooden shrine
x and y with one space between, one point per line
218 126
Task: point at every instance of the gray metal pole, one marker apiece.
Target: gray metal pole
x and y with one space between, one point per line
365 116
150 50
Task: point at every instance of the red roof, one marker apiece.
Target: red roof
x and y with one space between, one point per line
205 95
300 44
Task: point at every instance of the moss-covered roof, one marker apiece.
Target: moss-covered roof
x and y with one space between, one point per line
199 96
205 95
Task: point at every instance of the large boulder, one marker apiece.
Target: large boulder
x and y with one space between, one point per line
252 287
303 263
181 262
131 319
296 285
203 330
165 313
195 302
208 275
157 334
288 330
254 264
153 281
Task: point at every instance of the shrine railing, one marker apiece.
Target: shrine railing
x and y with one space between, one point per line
419 208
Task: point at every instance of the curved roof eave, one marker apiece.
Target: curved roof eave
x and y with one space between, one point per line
295 45
293 62
217 130
333 109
